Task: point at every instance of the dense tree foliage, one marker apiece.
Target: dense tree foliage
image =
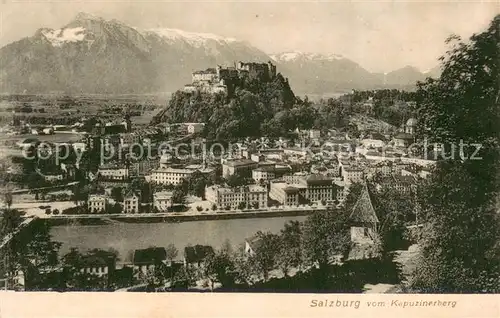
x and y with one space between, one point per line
325 238
256 108
460 248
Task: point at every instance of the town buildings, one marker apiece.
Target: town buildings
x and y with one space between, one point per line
353 174
145 260
224 79
99 263
242 167
195 255
131 201
97 203
113 172
172 176
284 193
235 198
292 190
267 173
162 200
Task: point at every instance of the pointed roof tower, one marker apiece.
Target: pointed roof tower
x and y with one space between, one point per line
363 211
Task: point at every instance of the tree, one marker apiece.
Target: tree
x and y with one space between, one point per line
244 267
116 208
8 199
263 260
219 267
290 252
197 183
325 236
235 180
156 276
171 254
460 243
76 193
117 194
394 210
242 205
179 197
184 277
214 207
9 221
29 250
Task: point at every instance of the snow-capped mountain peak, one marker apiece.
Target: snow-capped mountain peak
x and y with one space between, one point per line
296 55
87 16
66 35
193 38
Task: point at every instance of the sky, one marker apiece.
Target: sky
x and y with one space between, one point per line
380 36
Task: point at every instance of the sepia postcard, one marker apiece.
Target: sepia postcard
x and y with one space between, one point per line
257 159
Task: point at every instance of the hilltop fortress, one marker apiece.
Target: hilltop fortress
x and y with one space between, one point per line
224 79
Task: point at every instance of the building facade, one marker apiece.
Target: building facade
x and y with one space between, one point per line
97 203
284 193
131 202
162 200
113 172
170 175
234 198
242 167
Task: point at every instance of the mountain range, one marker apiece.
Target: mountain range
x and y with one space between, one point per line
94 55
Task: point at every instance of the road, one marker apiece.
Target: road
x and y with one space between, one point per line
6 239
33 208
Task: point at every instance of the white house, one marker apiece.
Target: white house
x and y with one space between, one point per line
97 203
162 200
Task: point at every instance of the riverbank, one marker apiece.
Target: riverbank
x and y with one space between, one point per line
174 217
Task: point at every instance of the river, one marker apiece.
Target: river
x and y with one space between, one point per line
126 237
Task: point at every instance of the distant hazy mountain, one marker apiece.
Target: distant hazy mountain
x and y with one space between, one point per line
93 55
403 76
318 73
434 72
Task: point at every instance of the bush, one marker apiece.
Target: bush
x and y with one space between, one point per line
48 211
199 208
56 212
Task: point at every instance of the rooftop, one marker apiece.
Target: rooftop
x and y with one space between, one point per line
318 179
149 255
98 258
163 194
241 162
173 170
111 166
255 242
363 211
197 253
